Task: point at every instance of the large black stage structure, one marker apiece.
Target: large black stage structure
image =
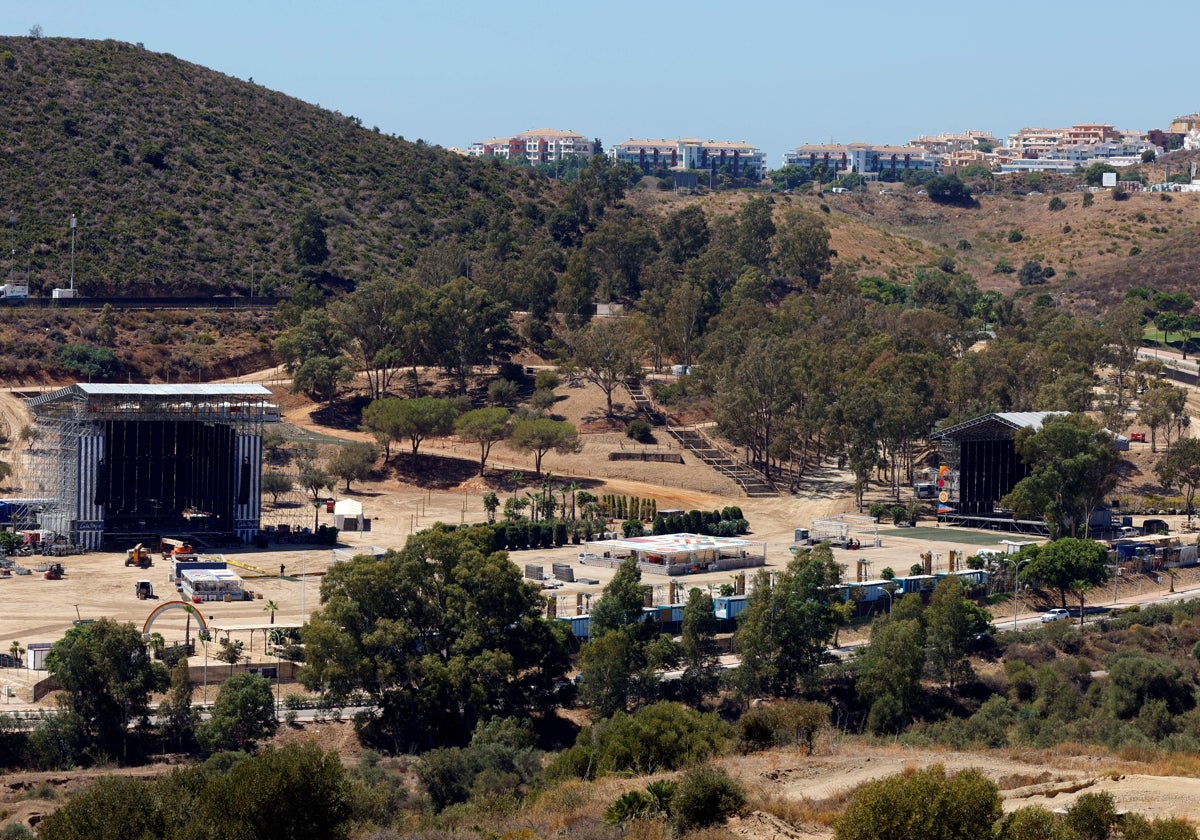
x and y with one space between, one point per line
130 461
983 459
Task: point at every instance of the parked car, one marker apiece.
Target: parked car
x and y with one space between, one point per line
1056 614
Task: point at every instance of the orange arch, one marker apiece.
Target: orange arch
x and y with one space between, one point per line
176 605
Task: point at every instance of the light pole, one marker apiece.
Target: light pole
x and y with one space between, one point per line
204 701
887 590
72 252
1017 564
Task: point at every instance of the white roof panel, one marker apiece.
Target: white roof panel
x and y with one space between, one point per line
240 389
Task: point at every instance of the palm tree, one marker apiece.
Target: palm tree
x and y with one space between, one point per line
571 488
271 607
16 651
157 643
1081 588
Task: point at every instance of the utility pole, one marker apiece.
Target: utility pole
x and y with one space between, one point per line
72 252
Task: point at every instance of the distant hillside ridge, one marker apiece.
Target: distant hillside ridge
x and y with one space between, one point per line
186 181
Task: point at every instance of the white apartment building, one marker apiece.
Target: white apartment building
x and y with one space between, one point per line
947 143
1087 153
540 145
1035 142
863 158
739 159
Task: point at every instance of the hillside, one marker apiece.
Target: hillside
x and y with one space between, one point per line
187 181
1097 252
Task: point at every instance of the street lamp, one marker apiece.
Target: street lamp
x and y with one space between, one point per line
72 252
278 666
204 701
888 589
1017 564
12 270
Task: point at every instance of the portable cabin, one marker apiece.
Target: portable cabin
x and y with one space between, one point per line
916 583
729 606
35 655
969 577
200 585
580 624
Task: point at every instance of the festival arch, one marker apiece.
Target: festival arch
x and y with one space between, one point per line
174 605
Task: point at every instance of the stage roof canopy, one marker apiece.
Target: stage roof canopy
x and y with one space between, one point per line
999 424
164 393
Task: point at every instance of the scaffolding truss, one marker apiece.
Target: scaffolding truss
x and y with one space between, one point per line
64 464
843 527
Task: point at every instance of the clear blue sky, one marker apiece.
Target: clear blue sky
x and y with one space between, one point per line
775 74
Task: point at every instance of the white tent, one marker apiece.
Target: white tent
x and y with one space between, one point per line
348 515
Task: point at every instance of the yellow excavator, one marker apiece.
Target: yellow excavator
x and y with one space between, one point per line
138 556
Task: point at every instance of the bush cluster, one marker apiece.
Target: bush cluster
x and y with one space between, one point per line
727 522
655 738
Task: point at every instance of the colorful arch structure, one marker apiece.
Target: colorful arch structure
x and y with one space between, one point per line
176 605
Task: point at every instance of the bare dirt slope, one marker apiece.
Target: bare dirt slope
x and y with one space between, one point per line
1052 780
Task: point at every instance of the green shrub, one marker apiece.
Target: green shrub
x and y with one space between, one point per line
88 361
502 392
662 736
494 764
632 528
1136 679
512 372
705 796
783 724
966 804
640 431
1033 822
1092 817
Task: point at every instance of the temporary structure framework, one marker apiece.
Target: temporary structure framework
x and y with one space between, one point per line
137 458
844 527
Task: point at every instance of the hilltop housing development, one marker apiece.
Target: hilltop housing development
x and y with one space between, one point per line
1030 149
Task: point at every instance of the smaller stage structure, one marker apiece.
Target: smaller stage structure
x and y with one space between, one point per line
677 554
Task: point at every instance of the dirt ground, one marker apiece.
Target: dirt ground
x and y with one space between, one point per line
98 584
1052 780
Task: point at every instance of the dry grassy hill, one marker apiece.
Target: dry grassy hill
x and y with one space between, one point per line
1097 252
